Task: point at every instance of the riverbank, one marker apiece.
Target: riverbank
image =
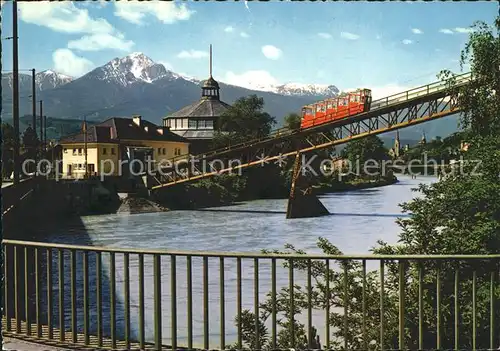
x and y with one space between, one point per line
226 191
355 184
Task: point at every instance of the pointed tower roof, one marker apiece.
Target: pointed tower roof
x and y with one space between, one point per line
423 140
209 107
210 83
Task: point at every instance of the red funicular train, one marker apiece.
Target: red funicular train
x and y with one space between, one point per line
339 107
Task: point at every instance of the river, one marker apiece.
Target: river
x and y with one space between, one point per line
358 220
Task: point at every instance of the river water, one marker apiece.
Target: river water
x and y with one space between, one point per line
358 220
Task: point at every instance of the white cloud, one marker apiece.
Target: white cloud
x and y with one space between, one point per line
324 35
165 11
103 41
350 36
387 90
229 29
446 31
192 54
407 41
463 30
95 3
271 52
257 79
244 35
416 31
66 62
167 65
62 17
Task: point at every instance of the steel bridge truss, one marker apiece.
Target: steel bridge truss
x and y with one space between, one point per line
277 149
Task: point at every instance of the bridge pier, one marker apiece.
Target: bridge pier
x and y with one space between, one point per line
302 203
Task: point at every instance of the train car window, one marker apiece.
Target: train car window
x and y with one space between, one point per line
334 103
357 98
318 108
329 106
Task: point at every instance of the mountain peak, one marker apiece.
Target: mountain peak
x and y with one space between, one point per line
133 68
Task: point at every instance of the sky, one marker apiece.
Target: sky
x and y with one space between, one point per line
387 47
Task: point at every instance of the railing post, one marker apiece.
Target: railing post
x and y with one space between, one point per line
6 286
157 301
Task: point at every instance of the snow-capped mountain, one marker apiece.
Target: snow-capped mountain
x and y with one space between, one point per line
43 80
298 89
49 80
131 69
137 67
135 84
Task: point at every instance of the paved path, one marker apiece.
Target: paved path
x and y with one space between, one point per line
12 344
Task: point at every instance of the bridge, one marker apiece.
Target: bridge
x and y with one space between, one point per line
405 109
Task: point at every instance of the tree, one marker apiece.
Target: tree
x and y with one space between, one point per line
244 120
7 149
30 139
369 151
292 121
458 215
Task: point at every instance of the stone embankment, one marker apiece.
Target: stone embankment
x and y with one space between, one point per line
132 204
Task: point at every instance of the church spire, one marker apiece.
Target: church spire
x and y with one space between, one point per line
210 89
210 60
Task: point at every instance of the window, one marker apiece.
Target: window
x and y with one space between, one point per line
65 150
341 102
112 151
164 151
192 124
104 151
323 108
177 151
74 152
329 106
159 151
79 151
209 124
334 104
318 108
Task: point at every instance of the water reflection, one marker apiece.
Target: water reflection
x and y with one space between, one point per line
358 220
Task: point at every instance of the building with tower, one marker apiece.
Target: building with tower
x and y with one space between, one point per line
395 151
423 141
198 122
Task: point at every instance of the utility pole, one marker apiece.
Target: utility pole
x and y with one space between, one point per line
33 95
41 126
15 92
44 133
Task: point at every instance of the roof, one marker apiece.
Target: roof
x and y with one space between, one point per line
202 108
210 83
118 128
195 134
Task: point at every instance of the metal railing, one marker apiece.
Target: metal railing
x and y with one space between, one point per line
129 298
